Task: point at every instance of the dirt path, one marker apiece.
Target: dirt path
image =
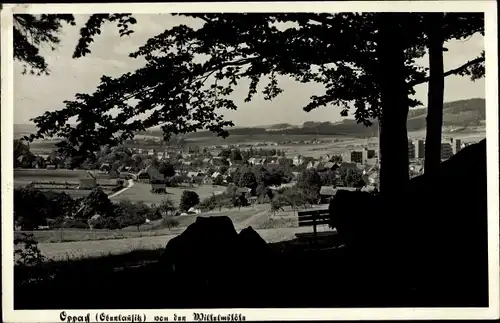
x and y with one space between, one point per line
130 184
253 219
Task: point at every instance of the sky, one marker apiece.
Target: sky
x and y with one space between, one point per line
33 95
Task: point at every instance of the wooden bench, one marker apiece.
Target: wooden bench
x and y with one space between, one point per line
314 218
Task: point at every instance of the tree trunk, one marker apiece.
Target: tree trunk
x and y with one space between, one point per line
394 167
435 93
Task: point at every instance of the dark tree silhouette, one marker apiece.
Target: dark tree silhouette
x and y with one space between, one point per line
188 200
167 169
31 32
439 28
354 56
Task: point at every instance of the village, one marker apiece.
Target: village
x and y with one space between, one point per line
220 166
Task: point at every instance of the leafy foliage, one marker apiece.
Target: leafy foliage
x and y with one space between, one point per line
23 157
248 179
188 200
190 74
167 207
167 169
48 205
29 254
185 91
97 202
32 32
351 178
93 27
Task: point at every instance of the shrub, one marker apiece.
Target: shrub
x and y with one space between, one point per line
188 200
159 191
104 222
75 224
29 254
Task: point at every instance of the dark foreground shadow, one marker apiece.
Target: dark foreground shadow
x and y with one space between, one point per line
428 249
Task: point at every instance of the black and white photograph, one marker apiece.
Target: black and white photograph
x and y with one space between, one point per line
249 159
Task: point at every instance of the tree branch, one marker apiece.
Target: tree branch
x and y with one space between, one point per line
451 72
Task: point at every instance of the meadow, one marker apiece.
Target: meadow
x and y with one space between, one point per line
141 191
98 248
75 244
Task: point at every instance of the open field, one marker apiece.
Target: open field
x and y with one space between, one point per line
145 230
98 248
60 180
258 216
142 192
57 175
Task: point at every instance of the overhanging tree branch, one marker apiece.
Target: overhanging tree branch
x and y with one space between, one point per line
455 71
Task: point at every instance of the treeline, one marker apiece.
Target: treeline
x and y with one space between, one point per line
35 209
260 183
462 112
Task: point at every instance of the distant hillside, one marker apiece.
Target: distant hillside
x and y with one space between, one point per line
463 113
457 114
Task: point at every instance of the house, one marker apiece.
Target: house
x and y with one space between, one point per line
50 166
326 158
285 185
295 175
298 160
252 161
206 161
315 164
235 162
105 167
208 180
88 182
329 165
151 152
194 210
215 174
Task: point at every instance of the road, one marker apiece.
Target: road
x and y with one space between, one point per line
130 184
